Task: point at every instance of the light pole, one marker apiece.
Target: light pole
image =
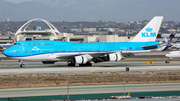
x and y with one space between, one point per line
127 69
68 88
124 83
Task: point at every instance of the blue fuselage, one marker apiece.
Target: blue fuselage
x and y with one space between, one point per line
30 48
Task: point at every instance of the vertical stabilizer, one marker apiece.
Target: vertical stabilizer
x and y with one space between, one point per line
150 31
14 40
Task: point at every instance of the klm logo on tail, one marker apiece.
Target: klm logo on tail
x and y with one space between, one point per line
148 33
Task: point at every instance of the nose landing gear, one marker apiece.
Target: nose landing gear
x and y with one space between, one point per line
21 64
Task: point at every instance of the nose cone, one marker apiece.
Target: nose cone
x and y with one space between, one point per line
167 55
6 52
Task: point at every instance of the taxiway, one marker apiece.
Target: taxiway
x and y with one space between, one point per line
42 91
37 67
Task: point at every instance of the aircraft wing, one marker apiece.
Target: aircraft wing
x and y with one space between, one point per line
71 56
68 57
133 52
99 55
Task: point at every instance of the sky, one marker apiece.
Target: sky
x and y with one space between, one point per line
89 10
17 1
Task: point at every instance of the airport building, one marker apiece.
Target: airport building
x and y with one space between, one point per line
6 40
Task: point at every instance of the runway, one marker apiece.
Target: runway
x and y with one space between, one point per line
37 67
20 92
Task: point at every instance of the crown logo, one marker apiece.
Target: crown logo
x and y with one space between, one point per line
148 29
35 48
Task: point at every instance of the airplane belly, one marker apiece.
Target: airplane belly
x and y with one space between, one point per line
32 58
51 57
43 57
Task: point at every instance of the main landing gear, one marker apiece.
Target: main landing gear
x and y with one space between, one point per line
87 64
21 64
72 64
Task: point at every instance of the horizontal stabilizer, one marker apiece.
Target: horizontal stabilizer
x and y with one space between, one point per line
150 46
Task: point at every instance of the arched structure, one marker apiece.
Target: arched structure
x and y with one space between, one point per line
52 29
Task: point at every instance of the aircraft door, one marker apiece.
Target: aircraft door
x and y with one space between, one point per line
133 48
52 51
79 50
42 44
29 51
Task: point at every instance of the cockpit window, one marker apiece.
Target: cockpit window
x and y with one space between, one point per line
17 44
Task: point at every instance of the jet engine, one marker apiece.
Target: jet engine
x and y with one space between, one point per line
80 60
114 57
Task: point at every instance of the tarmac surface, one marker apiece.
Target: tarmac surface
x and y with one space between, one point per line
37 67
20 92
59 67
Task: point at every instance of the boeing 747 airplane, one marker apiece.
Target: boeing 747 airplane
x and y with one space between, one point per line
85 53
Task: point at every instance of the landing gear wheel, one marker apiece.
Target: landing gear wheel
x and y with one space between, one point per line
22 65
87 64
71 64
82 65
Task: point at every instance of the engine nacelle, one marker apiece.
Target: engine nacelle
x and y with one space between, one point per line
80 60
114 57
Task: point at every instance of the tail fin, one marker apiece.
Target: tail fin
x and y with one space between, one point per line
170 41
14 40
150 31
97 40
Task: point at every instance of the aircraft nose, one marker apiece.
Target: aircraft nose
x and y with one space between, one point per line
167 55
5 52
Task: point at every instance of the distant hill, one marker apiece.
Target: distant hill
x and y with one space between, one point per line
90 10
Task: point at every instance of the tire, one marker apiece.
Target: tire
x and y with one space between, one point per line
22 65
87 64
71 64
